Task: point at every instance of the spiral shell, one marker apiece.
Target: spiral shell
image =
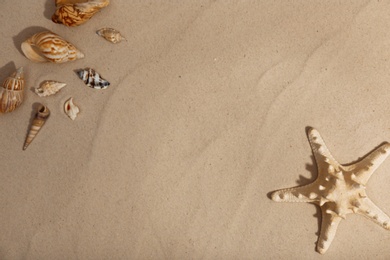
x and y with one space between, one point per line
71 110
75 13
49 47
12 92
92 79
110 35
49 87
42 115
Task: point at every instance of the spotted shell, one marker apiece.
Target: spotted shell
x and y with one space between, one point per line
76 12
92 79
12 92
110 35
49 47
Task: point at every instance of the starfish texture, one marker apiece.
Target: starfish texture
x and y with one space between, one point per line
338 190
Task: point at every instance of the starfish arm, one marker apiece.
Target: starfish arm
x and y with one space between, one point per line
366 167
322 155
297 194
329 226
368 209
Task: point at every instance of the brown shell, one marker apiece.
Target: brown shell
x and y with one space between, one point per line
47 46
110 35
42 115
75 13
12 92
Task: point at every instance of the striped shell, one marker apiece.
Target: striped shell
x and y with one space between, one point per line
92 79
42 115
110 35
75 13
49 47
11 93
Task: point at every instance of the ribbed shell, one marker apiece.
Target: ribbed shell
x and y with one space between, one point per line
42 115
49 87
71 13
49 47
12 92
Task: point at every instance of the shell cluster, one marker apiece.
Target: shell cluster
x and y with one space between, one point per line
92 79
77 12
12 92
47 46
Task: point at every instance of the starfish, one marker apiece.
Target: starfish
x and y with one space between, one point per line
338 190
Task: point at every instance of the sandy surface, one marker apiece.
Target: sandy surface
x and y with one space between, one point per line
205 115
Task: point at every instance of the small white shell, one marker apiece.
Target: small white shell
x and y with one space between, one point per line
71 110
110 35
49 87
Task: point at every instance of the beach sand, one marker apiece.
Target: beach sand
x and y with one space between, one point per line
206 114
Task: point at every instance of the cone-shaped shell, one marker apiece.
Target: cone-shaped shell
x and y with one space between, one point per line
77 12
39 120
92 79
49 87
12 92
110 35
49 47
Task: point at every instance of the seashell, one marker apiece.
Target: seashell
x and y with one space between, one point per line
77 12
11 93
42 115
49 47
71 109
110 35
49 87
92 79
